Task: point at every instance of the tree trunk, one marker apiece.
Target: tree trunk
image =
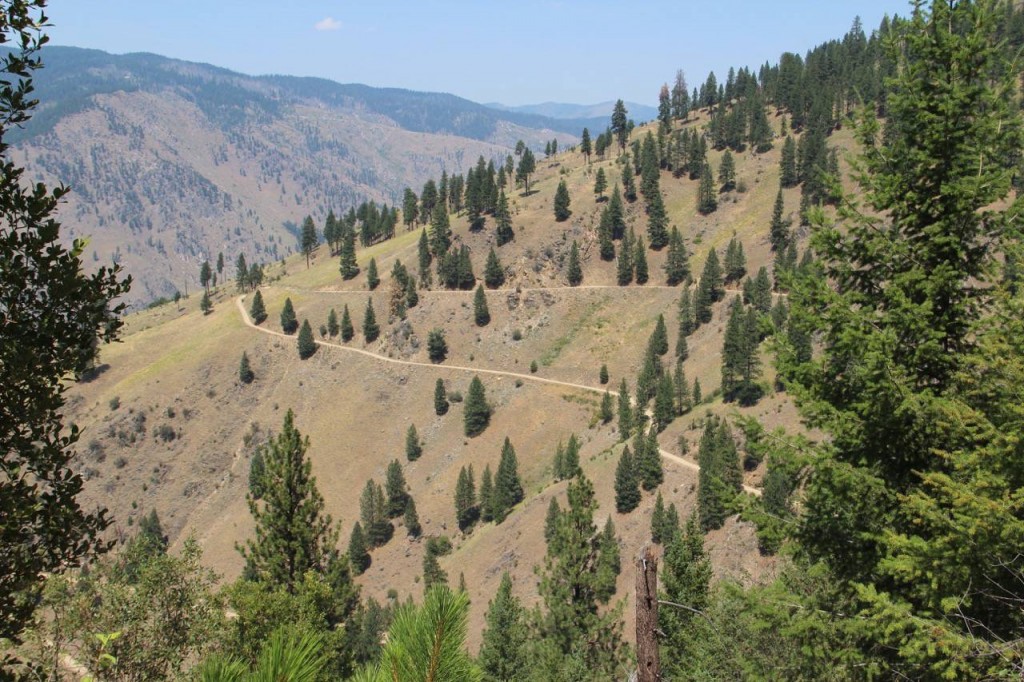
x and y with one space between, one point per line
648 662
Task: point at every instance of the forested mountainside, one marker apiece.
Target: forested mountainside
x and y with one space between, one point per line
770 343
171 162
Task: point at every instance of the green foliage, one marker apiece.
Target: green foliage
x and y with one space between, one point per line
437 347
397 490
602 374
289 323
574 272
561 202
477 414
720 477
619 125
373 512
677 261
306 343
333 328
647 459
413 447
293 534
527 166
625 411
466 509
427 643
707 200
245 373
735 261
348 267
709 290
606 411
627 488
481 314
503 651
205 305
309 238
347 330
358 552
727 172
494 274
640 269
503 222
778 232
508 489
440 399
600 182
372 277
487 495
685 580
371 330
257 311
411 519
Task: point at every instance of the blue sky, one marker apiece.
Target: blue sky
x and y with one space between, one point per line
514 51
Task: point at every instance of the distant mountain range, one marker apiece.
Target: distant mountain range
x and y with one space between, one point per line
598 115
173 162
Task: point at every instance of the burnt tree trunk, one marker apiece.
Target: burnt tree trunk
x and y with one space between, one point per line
648 662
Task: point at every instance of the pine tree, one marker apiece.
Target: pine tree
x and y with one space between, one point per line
503 221
648 459
425 257
574 271
585 144
625 412
616 215
720 477
778 233
710 288
686 580
373 514
440 399
624 264
627 488
657 221
306 345
332 323
600 184
289 323
494 274
504 649
677 261
735 261
606 411
293 534
347 258
682 388
727 172
686 321
477 413
526 168
347 330
561 202
508 489
620 124
437 347
762 296
658 520
245 373
413 447
551 520
411 519
609 562
788 176
572 587
487 502
481 314
371 330
697 396
602 374
558 465
258 312
628 183
372 278
241 273
397 490
433 574
658 341
358 554
571 460
205 304
664 402
606 247
466 510
205 275
707 201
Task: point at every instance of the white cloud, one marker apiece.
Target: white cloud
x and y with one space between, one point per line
327 24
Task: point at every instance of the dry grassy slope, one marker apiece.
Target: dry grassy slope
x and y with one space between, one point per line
356 409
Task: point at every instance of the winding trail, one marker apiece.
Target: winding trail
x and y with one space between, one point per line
240 302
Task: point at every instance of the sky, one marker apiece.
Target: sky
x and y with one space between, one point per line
513 52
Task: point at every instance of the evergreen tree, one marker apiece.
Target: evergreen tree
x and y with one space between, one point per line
571 459
440 399
241 273
606 412
616 215
503 221
508 489
289 323
572 588
494 274
677 261
710 288
686 580
627 488
620 125
606 247
585 144
658 520
245 373
762 296
411 519
609 562
628 183
735 261
425 257
410 208
697 396
309 238
347 330
574 271
720 477
602 374
788 176
293 534
625 412
600 184
348 267
433 574
258 312
624 264
686 320
466 510
481 314
306 344
358 553
727 172
371 330
551 520
664 402
205 304
558 465
205 275
372 278
561 202
477 413
397 490
657 221
440 231
778 233
648 459
413 447
526 168
333 328
504 649
707 202
487 502
658 342
373 514
437 347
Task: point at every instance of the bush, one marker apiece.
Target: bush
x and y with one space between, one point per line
517 335
439 546
115 403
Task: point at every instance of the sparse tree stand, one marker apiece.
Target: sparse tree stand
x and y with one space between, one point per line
561 202
306 343
257 311
477 412
54 316
647 654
